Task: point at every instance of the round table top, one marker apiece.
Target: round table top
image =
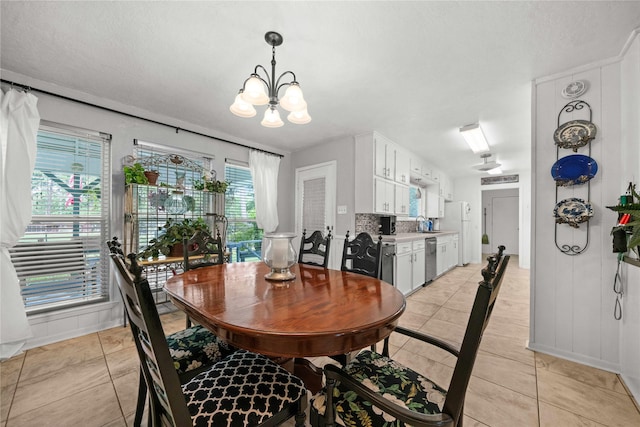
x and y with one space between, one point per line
321 312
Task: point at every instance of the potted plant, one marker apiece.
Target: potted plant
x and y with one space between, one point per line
211 185
169 242
631 225
134 174
152 176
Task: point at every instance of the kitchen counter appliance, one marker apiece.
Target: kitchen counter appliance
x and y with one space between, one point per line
388 225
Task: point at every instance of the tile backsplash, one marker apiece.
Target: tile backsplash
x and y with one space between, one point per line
370 223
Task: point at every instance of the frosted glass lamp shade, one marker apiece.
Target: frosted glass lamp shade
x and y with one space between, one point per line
254 92
272 118
301 117
293 100
242 108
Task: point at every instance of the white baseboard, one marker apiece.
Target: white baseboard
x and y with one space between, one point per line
575 357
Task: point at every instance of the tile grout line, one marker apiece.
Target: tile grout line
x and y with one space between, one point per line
113 385
13 395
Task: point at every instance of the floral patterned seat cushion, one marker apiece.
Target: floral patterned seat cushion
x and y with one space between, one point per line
195 347
389 378
243 389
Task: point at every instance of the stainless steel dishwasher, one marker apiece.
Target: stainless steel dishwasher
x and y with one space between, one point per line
430 251
388 259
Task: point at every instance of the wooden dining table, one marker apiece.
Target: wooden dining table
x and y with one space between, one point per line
322 312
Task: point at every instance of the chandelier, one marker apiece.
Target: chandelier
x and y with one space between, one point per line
253 93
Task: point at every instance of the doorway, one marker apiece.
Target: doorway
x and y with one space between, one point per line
315 198
502 221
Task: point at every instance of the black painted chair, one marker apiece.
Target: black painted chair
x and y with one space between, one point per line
192 349
201 250
355 393
241 389
362 255
314 250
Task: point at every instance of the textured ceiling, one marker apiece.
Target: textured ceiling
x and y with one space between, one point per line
415 71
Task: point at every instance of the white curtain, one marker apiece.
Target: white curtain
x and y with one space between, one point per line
19 121
264 171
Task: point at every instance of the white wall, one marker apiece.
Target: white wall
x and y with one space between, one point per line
630 323
63 324
571 296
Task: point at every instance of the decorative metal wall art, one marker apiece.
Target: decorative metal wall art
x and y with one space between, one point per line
573 171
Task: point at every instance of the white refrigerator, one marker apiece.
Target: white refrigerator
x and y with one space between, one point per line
457 217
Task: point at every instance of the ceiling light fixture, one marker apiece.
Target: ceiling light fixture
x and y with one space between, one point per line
253 93
495 171
475 138
487 166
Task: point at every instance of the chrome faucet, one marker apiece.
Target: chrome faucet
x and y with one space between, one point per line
420 225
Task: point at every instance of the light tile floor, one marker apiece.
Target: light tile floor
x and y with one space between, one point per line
92 380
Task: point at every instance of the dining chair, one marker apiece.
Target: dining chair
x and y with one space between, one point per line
192 349
201 250
314 250
361 255
242 389
374 389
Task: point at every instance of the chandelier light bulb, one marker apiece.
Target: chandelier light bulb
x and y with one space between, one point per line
293 100
254 92
301 117
272 118
242 108
263 88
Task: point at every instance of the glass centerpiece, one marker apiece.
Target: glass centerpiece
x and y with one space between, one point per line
279 255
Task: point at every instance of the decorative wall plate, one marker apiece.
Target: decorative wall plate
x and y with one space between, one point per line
574 89
572 211
574 134
573 170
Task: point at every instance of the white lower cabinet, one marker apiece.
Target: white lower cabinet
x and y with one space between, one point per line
446 253
409 267
403 267
418 267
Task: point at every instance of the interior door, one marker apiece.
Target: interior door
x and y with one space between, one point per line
315 199
504 223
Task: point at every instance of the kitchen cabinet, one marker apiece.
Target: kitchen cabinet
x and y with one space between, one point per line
385 157
440 207
446 186
403 268
384 196
401 200
418 264
433 202
409 265
446 253
402 166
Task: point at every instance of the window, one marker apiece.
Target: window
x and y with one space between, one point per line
416 204
61 260
244 238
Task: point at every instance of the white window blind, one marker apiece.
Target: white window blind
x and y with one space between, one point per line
244 238
313 205
60 261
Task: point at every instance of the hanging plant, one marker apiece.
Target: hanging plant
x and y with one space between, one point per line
632 227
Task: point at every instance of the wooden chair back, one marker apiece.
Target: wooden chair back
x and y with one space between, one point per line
315 247
168 405
204 244
362 255
486 296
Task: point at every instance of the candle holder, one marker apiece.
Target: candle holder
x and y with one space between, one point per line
279 255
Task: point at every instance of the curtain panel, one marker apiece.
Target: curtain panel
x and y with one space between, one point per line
19 121
264 171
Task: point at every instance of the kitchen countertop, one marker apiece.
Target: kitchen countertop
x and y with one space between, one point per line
408 237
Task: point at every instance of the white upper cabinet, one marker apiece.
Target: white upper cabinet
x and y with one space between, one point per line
402 200
385 156
402 166
384 196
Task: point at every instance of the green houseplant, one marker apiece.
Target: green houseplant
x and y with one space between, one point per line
134 174
173 232
211 185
